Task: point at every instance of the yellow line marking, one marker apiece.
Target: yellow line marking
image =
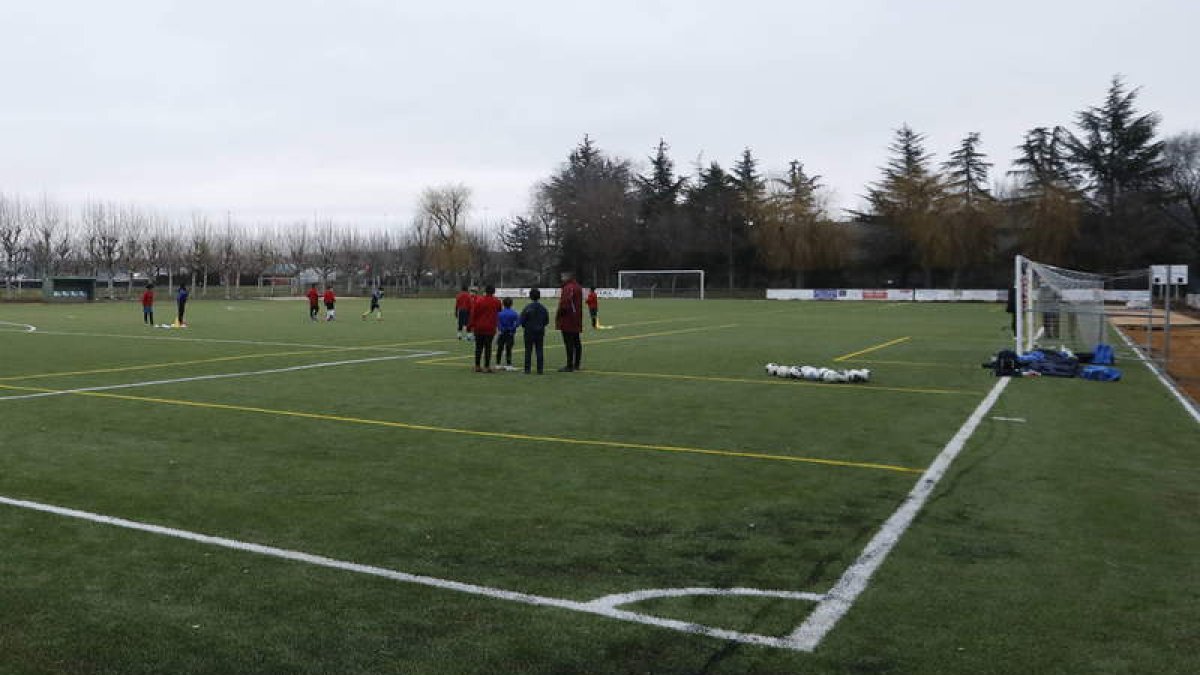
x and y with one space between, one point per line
473 432
919 364
591 342
889 343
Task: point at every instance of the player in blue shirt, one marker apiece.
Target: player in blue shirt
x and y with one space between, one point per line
181 298
508 321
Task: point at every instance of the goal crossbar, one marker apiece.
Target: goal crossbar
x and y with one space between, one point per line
622 275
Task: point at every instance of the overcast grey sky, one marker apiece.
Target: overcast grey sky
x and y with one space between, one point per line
276 111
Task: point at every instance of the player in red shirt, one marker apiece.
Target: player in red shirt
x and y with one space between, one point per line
148 305
329 300
593 304
484 317
313 298
462 310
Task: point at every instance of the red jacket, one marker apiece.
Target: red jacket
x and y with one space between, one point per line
592 300
329 296
148 298
484 315
312 297
462 301
569 317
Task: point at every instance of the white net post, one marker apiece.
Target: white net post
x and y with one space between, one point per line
1059 307
662 283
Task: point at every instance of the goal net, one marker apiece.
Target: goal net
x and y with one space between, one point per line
662 283
1059 307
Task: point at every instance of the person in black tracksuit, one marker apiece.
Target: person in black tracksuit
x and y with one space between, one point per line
534 319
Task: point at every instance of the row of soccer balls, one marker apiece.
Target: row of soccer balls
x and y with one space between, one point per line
818 374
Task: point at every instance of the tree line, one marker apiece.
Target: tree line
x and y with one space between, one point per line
1107 193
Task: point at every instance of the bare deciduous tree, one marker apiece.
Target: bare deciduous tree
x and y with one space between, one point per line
325 251
15 221
50 245
445 209
200 250
103 239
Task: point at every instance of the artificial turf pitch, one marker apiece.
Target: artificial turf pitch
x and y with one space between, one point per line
1062 539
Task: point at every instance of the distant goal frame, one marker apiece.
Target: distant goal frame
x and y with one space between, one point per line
621 277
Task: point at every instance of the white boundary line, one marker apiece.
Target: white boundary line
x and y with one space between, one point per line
830 608
218 376
29 328
1186 402
854 580
264 343
598 607
618 599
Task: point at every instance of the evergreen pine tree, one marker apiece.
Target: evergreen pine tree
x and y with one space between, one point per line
908 198
969 211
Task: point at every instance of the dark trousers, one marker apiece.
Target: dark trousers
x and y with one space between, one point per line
483 347
504 346
182 306
534 342
574 349
312 311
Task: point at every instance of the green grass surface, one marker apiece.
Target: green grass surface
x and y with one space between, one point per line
1067 543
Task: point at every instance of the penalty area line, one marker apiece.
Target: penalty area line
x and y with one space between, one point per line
600 607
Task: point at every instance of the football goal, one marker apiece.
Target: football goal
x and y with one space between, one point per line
1059 307
662 283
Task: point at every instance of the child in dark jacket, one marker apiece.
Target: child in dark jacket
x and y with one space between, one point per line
534 318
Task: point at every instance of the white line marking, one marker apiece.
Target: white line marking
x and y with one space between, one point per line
854 580
1010 419
445 584
1186 402
218 376
618 599
29 328
223 341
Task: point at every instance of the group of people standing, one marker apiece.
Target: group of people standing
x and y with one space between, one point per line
482 317
181 298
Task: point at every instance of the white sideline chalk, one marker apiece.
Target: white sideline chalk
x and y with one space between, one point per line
1187 403
218 376
602 609
28 328
854 580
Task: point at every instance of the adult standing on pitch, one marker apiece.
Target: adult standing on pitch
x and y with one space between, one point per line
148 305
314 305
462 309
569 320
593 305
181 297
484 318
330 299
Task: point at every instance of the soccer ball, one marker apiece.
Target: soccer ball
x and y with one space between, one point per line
772 368
794 372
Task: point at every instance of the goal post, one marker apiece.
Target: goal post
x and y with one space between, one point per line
1056 306
662 283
